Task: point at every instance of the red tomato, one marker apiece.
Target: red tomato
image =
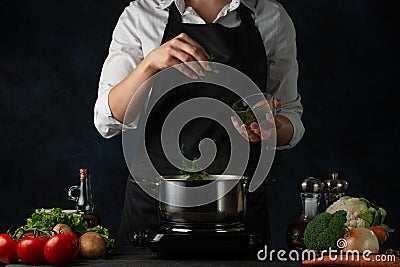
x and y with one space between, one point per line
8 249
61 249
380 232
30 249
75 238
29 234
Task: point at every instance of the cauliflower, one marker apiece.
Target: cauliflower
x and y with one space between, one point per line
360 212
353 220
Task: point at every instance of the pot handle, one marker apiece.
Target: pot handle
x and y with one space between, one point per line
245 185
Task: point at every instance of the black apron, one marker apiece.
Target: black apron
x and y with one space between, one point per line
241 48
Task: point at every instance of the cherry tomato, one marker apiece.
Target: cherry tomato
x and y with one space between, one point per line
61 249
30 249
8 249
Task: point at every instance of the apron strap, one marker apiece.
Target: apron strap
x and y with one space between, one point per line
245 15
174 23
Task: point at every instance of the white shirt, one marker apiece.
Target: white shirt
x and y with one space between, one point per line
140 29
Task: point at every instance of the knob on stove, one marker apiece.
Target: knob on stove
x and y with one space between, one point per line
142 239
139 239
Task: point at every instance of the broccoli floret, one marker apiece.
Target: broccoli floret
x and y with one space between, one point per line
324 230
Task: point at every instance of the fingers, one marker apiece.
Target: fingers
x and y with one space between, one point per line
277 104
255 128
240 128
256 132
262 132
186 50
245 131
181 49
194 49
235 122
251 135
185 70
192 70
189 60
175 63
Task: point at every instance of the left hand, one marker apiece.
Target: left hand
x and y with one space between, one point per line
257 132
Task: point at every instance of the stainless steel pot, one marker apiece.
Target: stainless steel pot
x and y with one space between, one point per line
227 210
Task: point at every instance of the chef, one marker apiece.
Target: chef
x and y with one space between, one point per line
256 37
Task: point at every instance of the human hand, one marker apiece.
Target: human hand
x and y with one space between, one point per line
181 49
256 132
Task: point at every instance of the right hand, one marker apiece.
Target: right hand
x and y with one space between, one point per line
181 49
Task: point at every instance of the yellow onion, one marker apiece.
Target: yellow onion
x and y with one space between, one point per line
361 239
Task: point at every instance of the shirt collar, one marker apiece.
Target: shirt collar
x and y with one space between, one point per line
180 4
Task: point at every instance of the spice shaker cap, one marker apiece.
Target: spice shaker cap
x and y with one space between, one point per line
311 185
336 185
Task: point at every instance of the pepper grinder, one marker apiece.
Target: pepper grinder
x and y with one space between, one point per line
334 188
310 194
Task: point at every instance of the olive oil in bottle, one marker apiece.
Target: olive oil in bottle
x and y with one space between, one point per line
84 203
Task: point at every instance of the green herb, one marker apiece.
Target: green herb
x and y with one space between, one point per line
213 64
193 171
247 116
42 221
182 149
209 74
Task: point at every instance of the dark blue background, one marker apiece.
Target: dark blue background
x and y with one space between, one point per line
51 54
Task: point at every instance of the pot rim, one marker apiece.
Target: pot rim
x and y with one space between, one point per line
211 177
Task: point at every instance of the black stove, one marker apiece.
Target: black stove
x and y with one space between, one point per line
202 240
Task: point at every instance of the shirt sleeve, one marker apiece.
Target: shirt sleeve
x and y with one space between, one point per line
283 74
125 53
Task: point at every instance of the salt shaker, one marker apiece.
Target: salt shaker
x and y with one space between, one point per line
310 195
